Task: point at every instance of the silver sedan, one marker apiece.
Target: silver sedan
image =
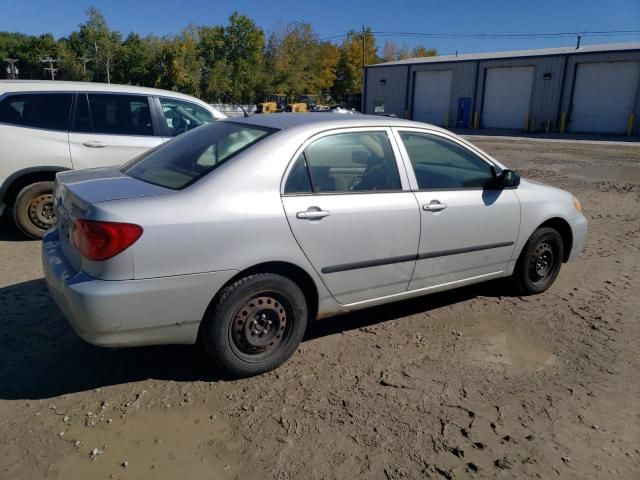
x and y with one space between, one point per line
238 233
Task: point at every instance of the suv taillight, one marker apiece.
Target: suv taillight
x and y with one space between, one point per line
102 240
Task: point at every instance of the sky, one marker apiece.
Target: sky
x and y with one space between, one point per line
331 18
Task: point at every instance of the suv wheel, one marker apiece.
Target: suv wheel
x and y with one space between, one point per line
540 261
255 325
33 210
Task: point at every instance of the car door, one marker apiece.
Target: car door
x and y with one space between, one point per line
468 226
351 211
110 129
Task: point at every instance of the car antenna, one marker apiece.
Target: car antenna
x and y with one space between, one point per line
230 98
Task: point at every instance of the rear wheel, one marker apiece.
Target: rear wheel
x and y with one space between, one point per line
540 261
255 325
33 210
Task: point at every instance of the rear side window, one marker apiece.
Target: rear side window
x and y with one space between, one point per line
48 111
298 180
187 158
182 116
352 162
113 114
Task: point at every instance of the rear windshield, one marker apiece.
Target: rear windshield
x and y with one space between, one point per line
190 156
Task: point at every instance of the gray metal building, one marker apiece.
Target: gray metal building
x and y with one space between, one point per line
591 89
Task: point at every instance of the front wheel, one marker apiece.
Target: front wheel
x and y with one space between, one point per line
540 261
255 325
33 210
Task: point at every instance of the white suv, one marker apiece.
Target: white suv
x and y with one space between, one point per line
50 126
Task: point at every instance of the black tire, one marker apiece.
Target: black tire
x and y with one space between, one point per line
33 210
539 263
255 324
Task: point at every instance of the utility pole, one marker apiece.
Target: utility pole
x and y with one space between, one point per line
51 69
363 40
84 59
12 70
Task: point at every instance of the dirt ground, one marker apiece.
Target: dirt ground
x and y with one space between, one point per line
472 383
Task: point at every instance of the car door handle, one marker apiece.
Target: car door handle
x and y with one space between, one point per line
313 213
94 144
434 206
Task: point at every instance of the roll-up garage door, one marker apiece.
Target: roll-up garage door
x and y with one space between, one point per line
604 96
507 95
432 97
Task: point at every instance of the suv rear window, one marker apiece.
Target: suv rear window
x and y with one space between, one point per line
48 111
187 158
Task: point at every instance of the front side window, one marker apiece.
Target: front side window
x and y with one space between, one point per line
48 111
440 163
182 116
352 162
183 160
113 114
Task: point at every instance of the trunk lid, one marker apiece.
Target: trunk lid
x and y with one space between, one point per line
78 194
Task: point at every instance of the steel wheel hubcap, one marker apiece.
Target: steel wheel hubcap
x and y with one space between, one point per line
542 261
41 211
259 325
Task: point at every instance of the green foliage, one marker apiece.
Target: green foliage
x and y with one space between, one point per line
392 52
178 65
350 65
299 63
210 62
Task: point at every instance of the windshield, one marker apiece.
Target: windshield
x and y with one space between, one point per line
182 161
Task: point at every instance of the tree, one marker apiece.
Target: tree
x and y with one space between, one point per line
216 71
349 68
96 41
392 52
299 63
244 52
422 51
177 64
29 50
70 67
135 64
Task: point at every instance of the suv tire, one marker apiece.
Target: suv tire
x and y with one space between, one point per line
33 210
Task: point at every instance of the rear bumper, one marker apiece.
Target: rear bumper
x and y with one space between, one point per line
165 310
579 231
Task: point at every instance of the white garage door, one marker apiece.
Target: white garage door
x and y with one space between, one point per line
604 96
507 95
432 97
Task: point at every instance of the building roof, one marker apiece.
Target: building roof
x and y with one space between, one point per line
609 47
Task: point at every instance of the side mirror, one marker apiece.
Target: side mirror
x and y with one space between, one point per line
508 179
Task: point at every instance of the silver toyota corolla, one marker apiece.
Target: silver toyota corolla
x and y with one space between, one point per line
239 233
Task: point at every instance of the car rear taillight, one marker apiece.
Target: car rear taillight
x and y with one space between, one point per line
102 240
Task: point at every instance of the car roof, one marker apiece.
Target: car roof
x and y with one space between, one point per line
63 86
325 121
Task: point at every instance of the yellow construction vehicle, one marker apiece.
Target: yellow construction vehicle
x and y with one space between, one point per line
273 104
311 101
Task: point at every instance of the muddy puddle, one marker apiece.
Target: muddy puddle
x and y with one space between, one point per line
159 444
629 174
497 340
